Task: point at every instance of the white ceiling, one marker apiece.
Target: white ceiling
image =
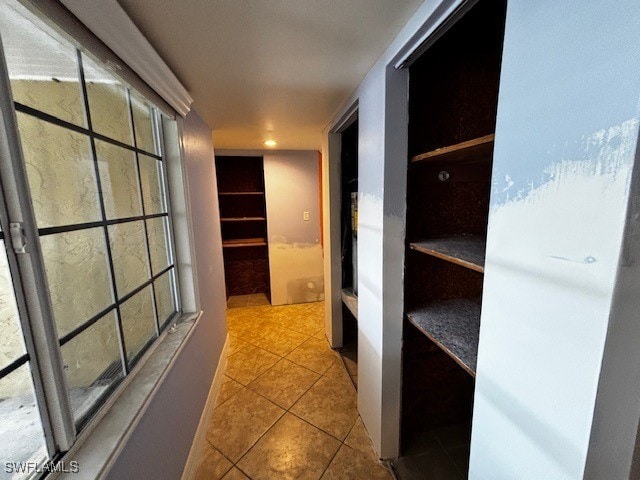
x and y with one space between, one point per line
261 69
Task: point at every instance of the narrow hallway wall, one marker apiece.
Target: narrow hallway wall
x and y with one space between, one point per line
159 445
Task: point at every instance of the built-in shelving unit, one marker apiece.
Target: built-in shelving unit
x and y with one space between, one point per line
244 242
243 219
239 193
351 301
451 141
479 148
243 223
464 250
349 246
454 326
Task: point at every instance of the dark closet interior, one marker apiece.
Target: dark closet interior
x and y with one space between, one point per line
349 251
452 111
243 222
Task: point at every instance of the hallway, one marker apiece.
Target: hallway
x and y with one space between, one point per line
286 408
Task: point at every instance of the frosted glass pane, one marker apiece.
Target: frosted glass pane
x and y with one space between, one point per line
78 276
61 173
119 181
151 178
157 234
130 259
142 122
11 339
92 363
108 103
21 434
42 64
138 322
165 298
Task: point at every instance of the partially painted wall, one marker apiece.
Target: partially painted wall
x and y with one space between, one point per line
292 189
566 142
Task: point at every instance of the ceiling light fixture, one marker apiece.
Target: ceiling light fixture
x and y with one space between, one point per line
270 143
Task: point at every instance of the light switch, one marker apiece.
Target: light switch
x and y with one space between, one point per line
305 216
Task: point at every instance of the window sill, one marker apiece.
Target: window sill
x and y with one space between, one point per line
99 444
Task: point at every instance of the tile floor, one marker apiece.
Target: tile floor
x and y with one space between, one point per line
287 407
252 300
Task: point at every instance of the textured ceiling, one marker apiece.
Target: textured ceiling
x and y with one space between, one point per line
261 69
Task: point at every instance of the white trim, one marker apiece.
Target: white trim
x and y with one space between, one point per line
346 119
111 24
199 440
446 13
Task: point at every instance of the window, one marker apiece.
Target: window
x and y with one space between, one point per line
100 264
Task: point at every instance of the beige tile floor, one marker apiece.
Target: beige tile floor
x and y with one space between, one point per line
286 408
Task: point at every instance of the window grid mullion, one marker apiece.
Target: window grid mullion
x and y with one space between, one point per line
14 365
83 326
30 282
144 213
77 128
105 228
83 226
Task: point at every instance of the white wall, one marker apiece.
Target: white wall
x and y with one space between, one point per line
159 446
565 144
292 186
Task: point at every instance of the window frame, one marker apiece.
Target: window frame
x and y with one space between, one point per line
43 347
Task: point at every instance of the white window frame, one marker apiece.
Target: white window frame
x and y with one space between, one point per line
17 219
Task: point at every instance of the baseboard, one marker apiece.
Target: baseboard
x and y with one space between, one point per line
199 440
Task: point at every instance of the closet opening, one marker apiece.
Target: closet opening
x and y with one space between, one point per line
453 95
349 248
243 224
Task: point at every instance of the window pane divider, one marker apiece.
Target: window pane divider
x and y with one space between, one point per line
83 326
33 297
83 226
79 129
14 365
105 230
156 321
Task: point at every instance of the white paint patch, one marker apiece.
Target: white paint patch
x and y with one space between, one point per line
296 273
552 257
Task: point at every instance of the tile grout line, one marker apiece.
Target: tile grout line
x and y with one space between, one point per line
235 464
288 410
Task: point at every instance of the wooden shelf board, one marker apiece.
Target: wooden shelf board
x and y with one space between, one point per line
240 193
453 325
350 299
244 242
465 250
243 219
476 149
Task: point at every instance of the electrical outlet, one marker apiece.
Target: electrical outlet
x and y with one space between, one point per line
305 216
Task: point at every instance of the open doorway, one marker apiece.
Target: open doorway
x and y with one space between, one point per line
349 248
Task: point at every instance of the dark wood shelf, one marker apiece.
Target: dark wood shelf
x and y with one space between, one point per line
453 325
477 149
465 250
350 299
240 193
243 219
244 242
